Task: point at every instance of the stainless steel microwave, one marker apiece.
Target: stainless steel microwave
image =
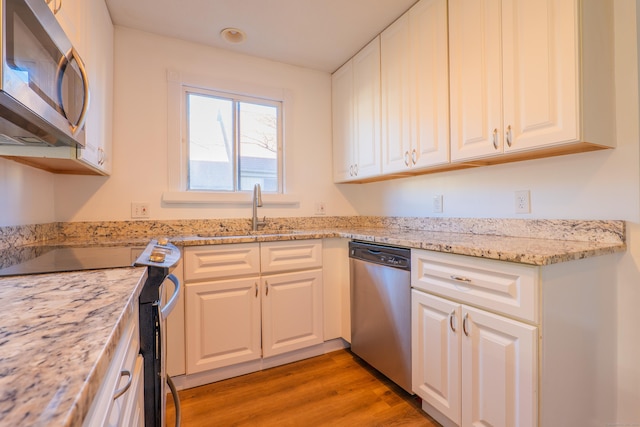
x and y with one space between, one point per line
44 88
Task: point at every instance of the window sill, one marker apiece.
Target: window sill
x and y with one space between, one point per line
215 198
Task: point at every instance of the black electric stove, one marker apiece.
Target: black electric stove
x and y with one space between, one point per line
160 257
61 258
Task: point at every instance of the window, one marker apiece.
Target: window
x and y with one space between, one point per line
233 142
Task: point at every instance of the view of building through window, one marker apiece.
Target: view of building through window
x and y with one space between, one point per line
233 143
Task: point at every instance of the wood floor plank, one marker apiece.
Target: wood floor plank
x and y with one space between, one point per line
336 389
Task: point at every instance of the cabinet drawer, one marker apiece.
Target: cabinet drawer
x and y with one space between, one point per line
499 286
277 257
214 262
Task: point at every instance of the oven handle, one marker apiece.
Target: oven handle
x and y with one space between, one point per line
168 307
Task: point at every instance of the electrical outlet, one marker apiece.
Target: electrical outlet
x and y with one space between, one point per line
321 208
523 202
437 203
139 209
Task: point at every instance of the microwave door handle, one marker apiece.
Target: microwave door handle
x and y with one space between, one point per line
62 64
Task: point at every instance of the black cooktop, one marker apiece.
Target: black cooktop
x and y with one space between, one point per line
56 258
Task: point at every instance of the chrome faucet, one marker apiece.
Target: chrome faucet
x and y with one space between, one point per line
257 202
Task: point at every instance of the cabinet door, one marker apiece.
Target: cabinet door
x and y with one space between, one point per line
429 56
396 100
475 78
342 122
291 311
499 371
436 353
222 323
540 74
366 108
99 64
70 16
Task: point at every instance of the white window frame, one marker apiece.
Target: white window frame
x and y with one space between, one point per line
177 144
235 98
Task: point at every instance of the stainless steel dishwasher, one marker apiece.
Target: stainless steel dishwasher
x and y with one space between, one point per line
381 309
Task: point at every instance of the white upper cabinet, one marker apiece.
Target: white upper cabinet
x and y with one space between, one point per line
99 61
395 75
530 76
356 116
342 122
415 97
70 15
476 78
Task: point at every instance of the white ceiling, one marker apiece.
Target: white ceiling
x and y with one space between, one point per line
317 34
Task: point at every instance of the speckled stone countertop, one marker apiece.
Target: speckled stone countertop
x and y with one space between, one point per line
524 250
536 242
58 333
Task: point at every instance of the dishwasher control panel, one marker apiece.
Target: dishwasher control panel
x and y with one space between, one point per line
379 254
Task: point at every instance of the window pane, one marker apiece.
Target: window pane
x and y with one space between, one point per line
258 157
211 146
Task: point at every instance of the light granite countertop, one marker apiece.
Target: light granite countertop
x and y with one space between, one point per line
58 331
524 250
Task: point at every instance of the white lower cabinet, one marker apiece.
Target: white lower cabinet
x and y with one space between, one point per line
499 375
471 365
222 323
497 343
134 414
436 352
120 398
239 315
291 311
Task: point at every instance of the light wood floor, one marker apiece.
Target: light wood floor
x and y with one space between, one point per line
336 389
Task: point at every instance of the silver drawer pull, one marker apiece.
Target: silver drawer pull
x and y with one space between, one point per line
509 136
460 278
451 316
464 324
124 389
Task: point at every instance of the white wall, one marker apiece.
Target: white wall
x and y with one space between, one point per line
26 195
140 133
